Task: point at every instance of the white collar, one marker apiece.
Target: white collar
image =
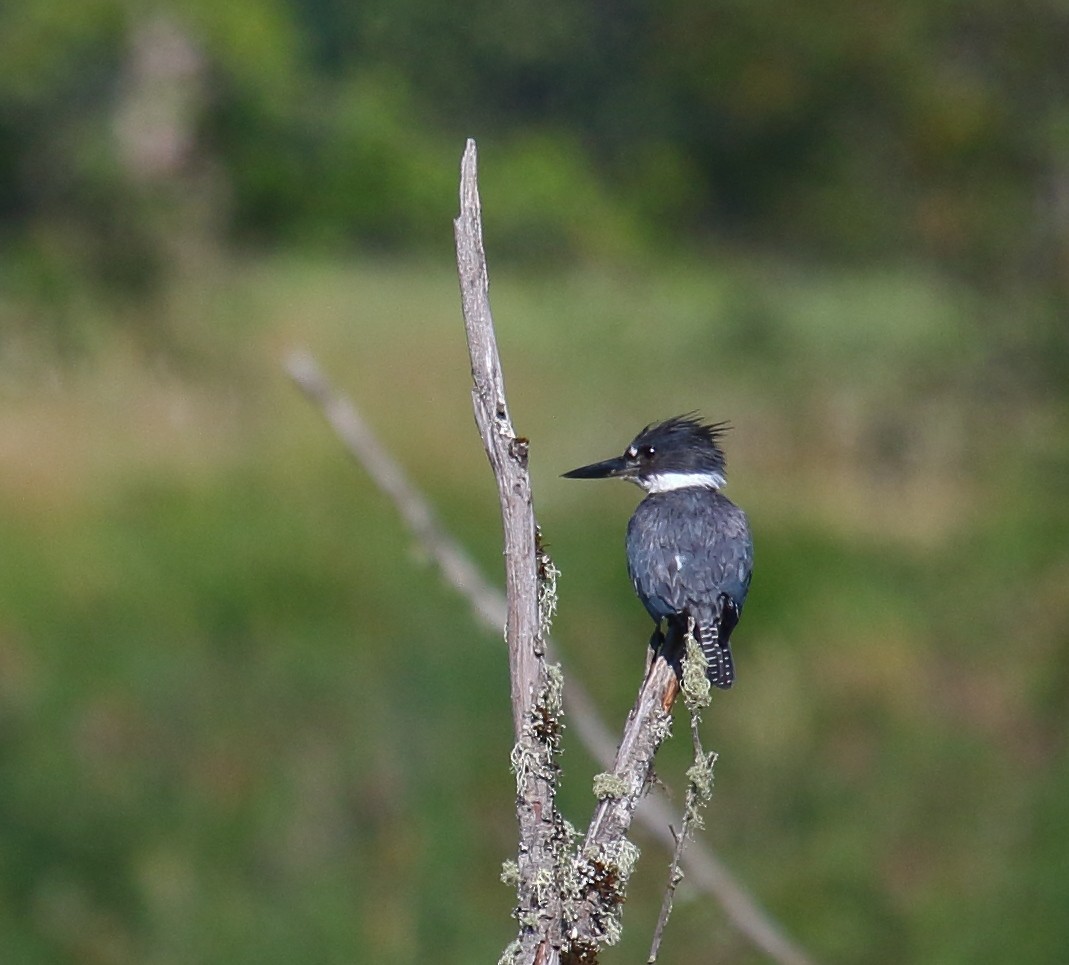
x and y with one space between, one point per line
664 482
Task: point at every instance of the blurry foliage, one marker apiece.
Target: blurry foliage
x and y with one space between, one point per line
242 721
853 131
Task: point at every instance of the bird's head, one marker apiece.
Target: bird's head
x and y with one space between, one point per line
674 454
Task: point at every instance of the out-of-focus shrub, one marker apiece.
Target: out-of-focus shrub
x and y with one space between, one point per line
843 131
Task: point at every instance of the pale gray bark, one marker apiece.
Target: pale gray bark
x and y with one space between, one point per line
607 858
535 697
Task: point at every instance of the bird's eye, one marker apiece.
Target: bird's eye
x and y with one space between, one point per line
647 452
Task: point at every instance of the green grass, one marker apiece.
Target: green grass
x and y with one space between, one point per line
240 720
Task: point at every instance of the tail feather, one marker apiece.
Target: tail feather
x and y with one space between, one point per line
721 671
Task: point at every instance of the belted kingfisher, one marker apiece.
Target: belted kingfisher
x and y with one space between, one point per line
689 551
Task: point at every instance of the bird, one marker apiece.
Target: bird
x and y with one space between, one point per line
689 547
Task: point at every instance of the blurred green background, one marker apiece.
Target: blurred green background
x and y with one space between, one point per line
242 721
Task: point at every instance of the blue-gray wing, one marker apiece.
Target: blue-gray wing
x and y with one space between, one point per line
691 556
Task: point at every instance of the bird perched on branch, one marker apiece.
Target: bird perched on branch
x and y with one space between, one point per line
689 550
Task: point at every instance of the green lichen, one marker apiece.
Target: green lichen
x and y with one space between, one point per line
699 790
608 785
660 729
626 855
544 885
523 764
546 723
552 696
547 587
695 685
611 868
700 774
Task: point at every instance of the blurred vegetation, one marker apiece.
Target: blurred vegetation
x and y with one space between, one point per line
938 131
240 720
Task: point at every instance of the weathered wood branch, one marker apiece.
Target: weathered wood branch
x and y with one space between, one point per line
585 892
535 687
696 691
607 857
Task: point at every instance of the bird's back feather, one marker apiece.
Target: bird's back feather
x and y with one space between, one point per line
690 555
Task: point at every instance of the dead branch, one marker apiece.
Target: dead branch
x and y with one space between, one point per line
696 697
535 687
607 858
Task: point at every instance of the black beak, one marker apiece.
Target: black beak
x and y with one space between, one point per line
600 470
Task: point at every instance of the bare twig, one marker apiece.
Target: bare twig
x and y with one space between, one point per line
675 876
708 873
535 687
699 778
457 567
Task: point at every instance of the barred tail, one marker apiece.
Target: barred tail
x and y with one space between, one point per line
721 671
